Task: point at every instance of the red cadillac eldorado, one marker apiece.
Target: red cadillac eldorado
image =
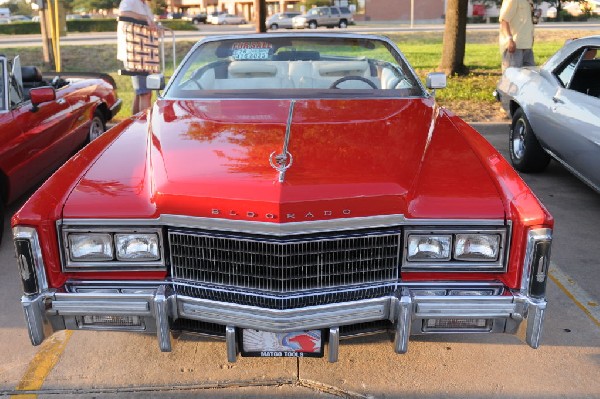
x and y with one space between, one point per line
43 121
287 191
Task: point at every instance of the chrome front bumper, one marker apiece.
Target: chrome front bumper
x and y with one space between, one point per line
407 311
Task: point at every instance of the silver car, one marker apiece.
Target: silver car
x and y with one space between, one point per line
555 111
281 20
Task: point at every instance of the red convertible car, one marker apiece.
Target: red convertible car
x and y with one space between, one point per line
43 121
287 191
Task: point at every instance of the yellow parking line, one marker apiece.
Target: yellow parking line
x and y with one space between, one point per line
42 364
575 293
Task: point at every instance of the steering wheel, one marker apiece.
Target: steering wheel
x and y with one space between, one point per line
352 77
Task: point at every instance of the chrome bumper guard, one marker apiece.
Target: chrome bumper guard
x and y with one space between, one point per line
48 312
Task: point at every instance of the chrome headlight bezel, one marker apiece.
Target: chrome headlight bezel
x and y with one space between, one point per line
116 262
454 264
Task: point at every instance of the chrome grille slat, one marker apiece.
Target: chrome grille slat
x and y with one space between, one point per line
285 265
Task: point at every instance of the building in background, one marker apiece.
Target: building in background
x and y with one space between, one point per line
364 10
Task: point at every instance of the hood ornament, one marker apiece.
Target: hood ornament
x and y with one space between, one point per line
282 162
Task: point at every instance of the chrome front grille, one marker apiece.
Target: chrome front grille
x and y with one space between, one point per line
287 265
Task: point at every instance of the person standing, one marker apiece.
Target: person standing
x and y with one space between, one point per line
516 33
138 10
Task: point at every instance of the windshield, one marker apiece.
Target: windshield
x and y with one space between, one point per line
294 65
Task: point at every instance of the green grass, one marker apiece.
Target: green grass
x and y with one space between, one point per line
423 51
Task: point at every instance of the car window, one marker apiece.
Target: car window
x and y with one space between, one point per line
334 11
565 72
292 66
586 78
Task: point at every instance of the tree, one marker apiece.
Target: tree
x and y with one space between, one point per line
455 38
261 15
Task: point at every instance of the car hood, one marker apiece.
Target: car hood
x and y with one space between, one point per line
347 158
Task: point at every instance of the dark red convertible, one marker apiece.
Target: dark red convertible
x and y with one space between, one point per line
44 120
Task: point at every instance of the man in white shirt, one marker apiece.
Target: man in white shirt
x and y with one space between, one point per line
516 33
140 11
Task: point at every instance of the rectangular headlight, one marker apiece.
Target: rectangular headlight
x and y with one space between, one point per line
428 247
476 247
137 247
95 247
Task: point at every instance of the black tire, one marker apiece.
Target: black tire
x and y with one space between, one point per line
312 25
526 153
343 24
97 126
274 27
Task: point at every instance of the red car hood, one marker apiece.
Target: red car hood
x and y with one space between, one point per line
350 158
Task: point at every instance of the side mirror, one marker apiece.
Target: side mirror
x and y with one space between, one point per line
40 95
436 80
155 81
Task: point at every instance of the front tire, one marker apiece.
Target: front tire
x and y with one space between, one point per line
343 24
274 27
312 25
97 127
526 153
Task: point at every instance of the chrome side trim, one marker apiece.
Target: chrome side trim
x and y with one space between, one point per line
282 229
535 321
162 319
231 342
333 348
574 171
403 323
34 318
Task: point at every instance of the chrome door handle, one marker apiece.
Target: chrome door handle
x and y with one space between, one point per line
61 101
557 100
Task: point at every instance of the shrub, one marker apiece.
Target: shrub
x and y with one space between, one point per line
20 28
177 24
92 25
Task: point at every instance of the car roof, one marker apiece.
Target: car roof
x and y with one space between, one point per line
569 48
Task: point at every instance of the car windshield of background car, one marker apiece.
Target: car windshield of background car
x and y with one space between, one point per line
274 65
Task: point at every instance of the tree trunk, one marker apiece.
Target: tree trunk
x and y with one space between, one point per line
455 38
260 7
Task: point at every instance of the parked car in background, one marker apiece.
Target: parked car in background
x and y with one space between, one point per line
175 15
212 15
281 20
196 19
555 111
44 120
287 190
227 19
20 18
323 16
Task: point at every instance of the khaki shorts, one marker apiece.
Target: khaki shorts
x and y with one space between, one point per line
520 58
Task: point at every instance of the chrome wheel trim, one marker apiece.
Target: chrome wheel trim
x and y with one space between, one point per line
96 128
518 139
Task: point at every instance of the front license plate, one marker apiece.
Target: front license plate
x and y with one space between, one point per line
257 343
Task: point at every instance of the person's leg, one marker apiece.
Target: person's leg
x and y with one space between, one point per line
144 101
